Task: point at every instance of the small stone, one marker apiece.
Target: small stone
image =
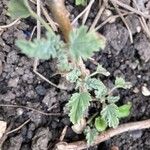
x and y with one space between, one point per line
13 82
16 142
136 90
40 90
41 139
19 111
142 45
145 91
138 28
50 98
3 126
136 134
36 118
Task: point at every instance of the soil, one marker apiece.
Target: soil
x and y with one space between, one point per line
20 86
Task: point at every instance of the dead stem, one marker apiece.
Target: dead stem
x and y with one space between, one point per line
10 25
83 12
139 125
29 108
101 9
123 19
18 128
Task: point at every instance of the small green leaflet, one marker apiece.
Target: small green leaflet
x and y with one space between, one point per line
124 110
81 2
90 135
93 83
100 124
73 75
121 83
63 64
113 99
110 114
98 86
78 104
83 43
102 70
18 9
43 48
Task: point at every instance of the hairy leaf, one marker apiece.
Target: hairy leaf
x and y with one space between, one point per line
124 110
78 104
102 70
90 135
43 48
100 124
81 2
93 83
63 64
113 99
73 75
99 88
18 9
110 114
121 83
83 43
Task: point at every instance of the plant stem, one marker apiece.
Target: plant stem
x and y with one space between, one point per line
33 14
93 74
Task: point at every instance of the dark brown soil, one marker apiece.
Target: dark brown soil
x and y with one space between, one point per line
20 86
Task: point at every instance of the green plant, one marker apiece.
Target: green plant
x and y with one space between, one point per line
81 46
80 2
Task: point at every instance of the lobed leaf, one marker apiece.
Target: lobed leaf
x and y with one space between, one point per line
121 83
113 99
99 88
63 63
18 9
43 48
93 83
83 43
90 135
102 70
110 114
78 104
73 75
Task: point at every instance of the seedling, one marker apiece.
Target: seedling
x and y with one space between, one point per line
81 46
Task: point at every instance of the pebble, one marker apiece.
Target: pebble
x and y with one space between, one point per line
13 82
145 91
136 134
40 90
19 111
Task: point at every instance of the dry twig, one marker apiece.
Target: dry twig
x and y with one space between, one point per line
83 12
63 133
123 19
10 25
109 19
29 108
101 9
119 3
105 135
86 14
143 21
18 128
